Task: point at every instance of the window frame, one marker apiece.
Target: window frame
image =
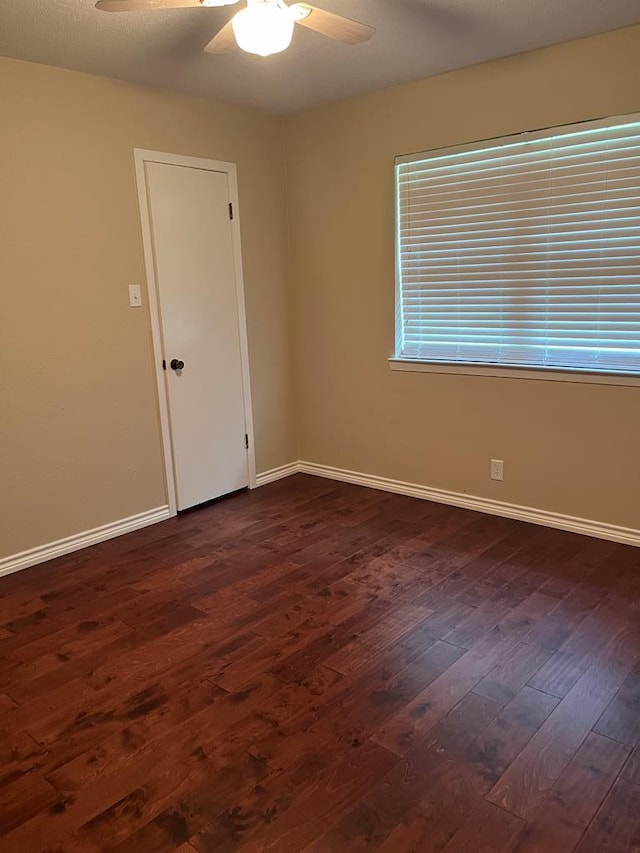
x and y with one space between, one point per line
404 364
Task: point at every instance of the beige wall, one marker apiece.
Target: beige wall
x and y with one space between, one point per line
569 448
79 437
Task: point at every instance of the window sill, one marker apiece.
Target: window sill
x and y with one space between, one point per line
406 365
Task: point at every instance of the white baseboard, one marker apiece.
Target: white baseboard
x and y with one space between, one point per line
586 526
42 553
277 473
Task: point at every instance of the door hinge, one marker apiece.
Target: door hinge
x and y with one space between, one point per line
164 364
230 210
246 441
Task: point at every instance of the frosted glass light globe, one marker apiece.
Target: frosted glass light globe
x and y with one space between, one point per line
263 28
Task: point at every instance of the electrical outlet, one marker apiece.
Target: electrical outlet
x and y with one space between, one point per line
497 469
135 296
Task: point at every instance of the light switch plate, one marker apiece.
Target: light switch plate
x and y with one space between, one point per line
135 296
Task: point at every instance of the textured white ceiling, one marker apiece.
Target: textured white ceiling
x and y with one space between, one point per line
414 38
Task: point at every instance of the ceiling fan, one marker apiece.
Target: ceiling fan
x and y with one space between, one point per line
263 26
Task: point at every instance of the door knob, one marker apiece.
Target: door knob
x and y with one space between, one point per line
176 364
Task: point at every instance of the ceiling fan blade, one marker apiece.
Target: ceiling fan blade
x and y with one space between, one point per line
223 42
334 26
141 5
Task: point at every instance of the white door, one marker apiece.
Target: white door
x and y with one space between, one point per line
192 246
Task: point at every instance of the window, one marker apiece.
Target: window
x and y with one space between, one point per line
523 251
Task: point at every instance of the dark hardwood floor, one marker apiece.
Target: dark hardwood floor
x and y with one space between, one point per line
320 667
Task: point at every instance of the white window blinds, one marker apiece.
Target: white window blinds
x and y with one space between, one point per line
523 251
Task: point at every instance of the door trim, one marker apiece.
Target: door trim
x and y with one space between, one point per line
142 156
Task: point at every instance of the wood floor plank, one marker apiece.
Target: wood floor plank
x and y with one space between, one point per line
315 666
137 788
494 750
72 660
86 744
631 771
555 629
509 676
616 827
487 830
621 719
529 779
23 799
559 673
352 710
389 629
575 798
484 617
6 704
146 660
14 608
436 785
289 810
20 756
442 787
423 712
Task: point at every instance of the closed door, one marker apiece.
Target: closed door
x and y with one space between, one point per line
197 298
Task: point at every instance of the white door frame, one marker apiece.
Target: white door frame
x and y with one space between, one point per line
142 156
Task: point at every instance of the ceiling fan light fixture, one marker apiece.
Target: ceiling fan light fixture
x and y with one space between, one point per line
264 27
